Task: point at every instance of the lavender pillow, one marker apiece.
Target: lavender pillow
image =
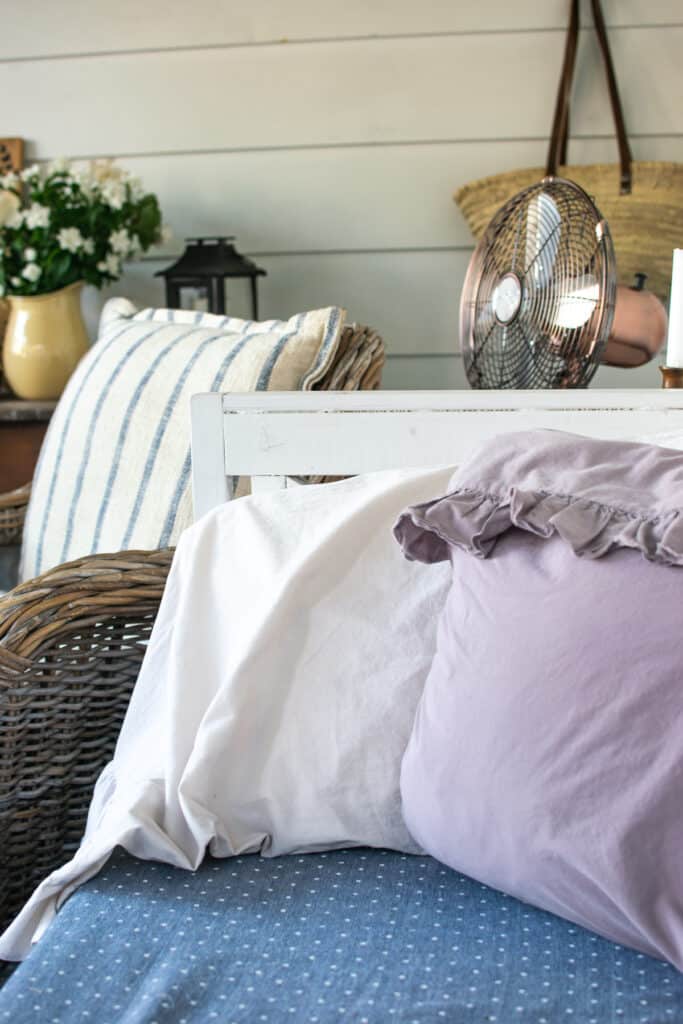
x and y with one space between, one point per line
546 757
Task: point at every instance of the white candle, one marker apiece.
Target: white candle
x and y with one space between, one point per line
674 346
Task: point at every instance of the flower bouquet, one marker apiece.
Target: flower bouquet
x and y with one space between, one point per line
59 225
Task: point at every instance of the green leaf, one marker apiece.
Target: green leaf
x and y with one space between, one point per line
147 221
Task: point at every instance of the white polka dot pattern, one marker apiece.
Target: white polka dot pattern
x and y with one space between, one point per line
363 936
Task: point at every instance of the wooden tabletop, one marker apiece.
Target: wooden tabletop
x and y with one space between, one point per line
15 410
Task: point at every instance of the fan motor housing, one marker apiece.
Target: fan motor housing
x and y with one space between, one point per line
507 298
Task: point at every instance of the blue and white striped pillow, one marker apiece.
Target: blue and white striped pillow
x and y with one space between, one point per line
114 471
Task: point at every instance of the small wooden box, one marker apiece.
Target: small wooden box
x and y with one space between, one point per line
11 155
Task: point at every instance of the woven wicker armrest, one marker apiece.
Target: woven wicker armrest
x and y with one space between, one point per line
13 505
358 362
71 645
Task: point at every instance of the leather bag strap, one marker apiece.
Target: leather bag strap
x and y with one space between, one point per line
557 150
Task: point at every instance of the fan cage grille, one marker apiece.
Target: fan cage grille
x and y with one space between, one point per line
553 240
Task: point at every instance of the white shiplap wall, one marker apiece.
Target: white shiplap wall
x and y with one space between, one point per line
330 137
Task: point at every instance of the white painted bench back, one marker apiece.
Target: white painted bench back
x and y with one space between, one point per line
273 436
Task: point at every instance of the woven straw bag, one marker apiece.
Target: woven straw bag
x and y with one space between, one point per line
641 200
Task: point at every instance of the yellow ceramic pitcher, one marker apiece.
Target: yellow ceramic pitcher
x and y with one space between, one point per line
45 338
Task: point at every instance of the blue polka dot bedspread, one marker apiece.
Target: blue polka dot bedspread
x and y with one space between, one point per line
353 935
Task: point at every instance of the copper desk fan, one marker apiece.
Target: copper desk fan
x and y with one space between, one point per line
538 301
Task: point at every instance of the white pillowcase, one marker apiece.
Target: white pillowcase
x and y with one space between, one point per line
663 438
278 691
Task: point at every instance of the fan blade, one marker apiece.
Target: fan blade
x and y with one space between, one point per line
543 226
576 306
547 364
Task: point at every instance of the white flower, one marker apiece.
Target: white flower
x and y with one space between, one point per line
9 207
59 166
120 242
37 216
30 255
30 173
16 220
31 272
10 180
82 176
102 171
70 239
114 193
111 265
15 281
88 246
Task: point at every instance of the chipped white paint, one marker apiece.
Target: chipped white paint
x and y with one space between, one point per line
270 437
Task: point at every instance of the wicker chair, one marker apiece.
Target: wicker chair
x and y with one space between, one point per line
71 645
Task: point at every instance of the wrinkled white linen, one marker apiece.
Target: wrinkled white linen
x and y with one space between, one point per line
278 690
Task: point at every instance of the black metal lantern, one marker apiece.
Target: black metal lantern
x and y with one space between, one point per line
205 264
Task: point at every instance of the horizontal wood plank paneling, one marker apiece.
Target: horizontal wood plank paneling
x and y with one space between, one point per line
330 138
72 26
411 298
424 374
388 197
404 89
647 376
448 372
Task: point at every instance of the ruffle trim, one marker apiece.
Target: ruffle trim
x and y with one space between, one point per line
472 521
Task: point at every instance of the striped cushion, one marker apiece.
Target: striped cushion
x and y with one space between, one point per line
114 471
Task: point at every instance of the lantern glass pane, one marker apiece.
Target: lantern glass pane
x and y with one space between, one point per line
194 297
